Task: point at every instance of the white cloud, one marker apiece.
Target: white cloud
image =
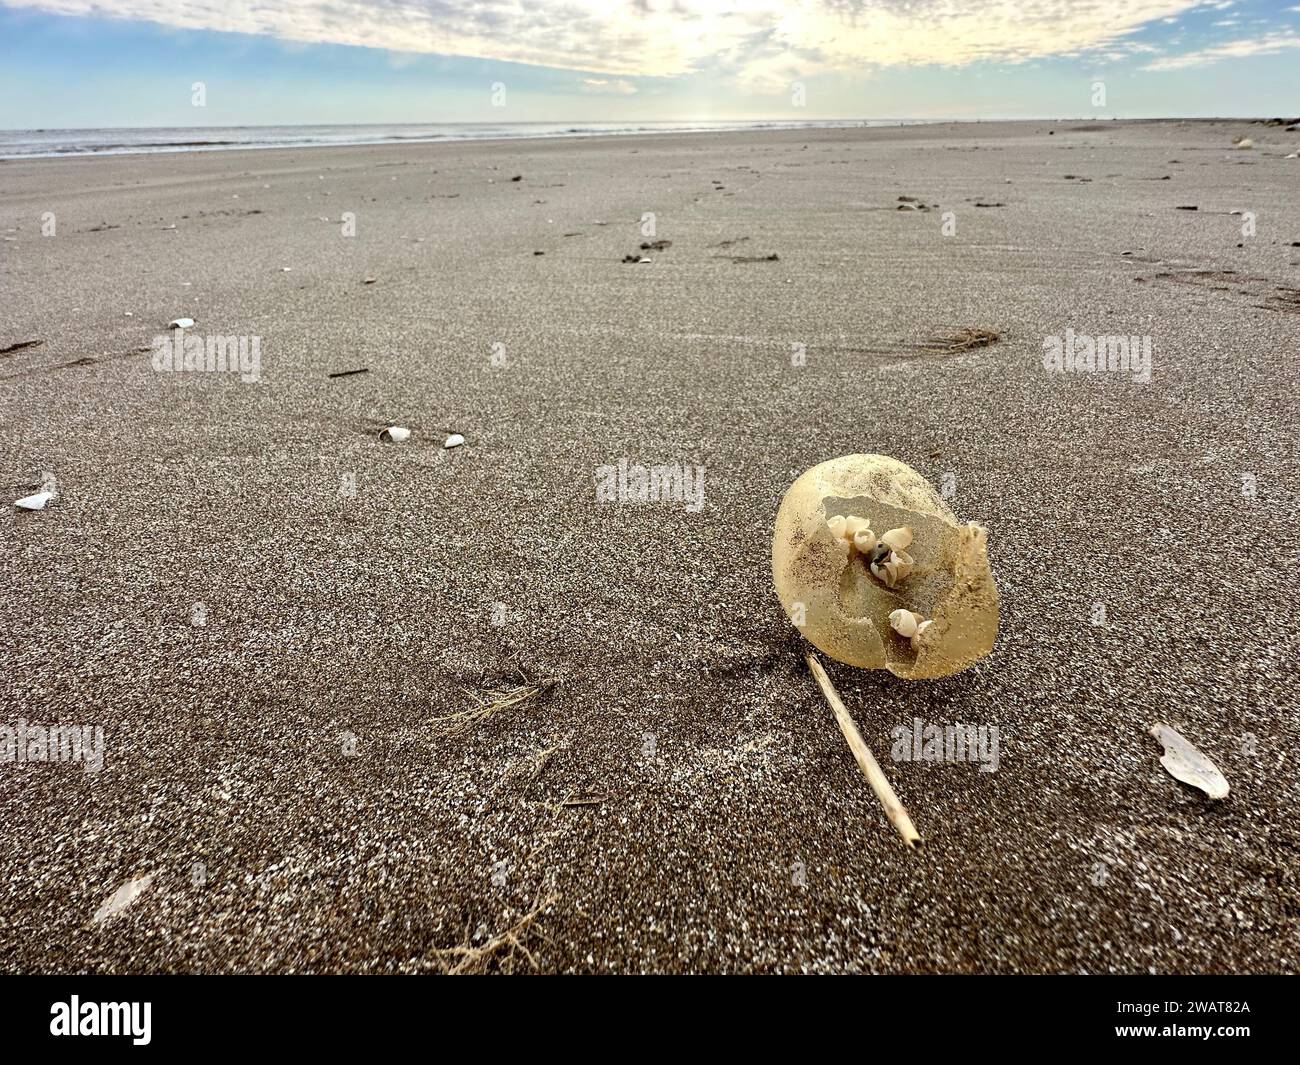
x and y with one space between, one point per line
609 86
1269 44
764 43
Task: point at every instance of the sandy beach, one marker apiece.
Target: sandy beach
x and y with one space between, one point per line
279 621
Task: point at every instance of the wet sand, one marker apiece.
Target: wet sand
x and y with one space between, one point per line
269 652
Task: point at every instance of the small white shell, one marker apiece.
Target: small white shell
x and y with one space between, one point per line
865 541
854 525
898 539
838 526
180 323
395 433
897 567
455 440
905 623
36 502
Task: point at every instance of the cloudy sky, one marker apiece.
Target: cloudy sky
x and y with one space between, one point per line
83 63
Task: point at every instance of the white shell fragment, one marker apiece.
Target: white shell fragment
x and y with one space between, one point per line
920 631
918 600
122 898
395 433
180 323
455 440
1184 762
36 502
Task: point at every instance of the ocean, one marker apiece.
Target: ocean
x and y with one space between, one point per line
34 143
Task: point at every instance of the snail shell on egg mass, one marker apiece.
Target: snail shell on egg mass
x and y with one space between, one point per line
845 609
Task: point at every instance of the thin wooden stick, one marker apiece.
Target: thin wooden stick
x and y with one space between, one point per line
894 809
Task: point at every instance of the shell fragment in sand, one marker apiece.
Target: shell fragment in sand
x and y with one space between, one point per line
180 323
36 502
395 433
455 440
122 898
1184 762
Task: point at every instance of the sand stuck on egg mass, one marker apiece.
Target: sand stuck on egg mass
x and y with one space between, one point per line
861 537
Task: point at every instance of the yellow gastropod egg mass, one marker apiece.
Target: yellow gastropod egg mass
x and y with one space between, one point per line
841 592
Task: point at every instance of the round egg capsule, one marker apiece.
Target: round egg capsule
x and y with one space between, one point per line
844 597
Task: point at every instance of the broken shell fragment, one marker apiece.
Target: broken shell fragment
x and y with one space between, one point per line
122 898
36 502
180 323
920 631
936 569
455 440
1186 763
395 433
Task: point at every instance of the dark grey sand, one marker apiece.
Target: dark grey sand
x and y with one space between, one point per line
684 704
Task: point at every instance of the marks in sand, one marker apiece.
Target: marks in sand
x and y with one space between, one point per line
1261 292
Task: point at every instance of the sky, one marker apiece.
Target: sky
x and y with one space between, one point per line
132 63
